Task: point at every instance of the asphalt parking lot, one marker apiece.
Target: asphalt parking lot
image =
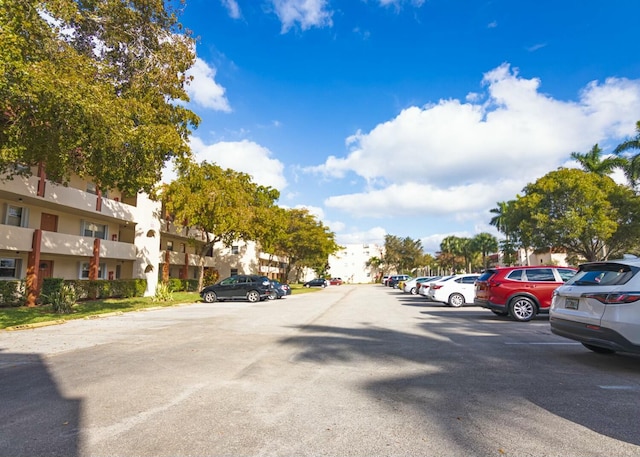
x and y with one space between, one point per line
349 370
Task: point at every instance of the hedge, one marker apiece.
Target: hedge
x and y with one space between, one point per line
100 289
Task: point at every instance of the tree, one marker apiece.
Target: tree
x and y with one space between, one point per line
485 244
92 89
403 254
593 162
453 255
306 242
375 263
584 213
632 167
223 205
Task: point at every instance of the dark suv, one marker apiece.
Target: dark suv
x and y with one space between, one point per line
521 292
238 287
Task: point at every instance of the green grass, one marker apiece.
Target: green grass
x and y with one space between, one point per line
11 317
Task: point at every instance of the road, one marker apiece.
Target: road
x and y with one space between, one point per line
347 371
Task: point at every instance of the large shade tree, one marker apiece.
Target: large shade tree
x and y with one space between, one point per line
586 214
93 88
222 205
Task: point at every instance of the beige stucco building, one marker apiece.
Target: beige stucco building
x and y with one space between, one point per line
77 231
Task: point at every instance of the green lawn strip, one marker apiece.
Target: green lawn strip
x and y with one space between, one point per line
11 317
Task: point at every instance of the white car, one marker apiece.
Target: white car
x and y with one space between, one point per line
410 286
456 291
600 306
424 287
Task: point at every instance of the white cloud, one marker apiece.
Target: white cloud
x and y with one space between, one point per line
232 7
306 13
374 235
204 90
458 159
245 156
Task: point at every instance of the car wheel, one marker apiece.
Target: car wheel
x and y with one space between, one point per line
499 313
456 300
209 297
598 349
272 296
522 309
413 291
307 286
253 296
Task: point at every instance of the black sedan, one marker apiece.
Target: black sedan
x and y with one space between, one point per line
318 282
279 290
238 287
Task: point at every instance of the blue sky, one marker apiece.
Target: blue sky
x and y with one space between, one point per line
409 117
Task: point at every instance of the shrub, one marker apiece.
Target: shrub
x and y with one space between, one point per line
12 293
163 293
61 300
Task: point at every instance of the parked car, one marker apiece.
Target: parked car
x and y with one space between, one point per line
410 286
279 289
521 292
384 280
318 282
238 287
335 282
424 287
456 291
395 279
600 306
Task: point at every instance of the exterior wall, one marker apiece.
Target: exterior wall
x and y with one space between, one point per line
350 264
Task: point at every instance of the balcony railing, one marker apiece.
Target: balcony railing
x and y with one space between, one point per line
15 238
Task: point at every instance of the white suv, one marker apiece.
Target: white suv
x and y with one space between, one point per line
600 306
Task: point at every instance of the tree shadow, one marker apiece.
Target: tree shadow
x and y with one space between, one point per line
35 418
487 377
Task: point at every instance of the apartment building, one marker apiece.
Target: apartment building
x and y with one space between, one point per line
351 263
77 231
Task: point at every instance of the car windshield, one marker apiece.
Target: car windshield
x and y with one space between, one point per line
603 274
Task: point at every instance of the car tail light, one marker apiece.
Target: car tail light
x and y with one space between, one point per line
436 286
615 299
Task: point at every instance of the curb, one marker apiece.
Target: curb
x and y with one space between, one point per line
36 325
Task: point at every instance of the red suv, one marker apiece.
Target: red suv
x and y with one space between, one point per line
521 292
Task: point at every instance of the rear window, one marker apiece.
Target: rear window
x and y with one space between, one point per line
486 275
515 275
566 274
603 274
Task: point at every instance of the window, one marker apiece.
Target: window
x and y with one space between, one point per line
515 275
235 250
9 268
234 271
541 274
169 245
84 270
566 274
92 188
16 216
183 248
94 230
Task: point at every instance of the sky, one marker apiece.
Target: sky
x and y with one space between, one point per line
411 118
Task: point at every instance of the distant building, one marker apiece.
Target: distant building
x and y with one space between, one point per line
350 263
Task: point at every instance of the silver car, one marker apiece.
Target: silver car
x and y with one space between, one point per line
600 306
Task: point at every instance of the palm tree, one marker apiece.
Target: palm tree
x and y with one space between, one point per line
485 243
593 162
632 167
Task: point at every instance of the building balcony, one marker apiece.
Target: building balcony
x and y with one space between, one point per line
82 246
15 238
179 258
71 199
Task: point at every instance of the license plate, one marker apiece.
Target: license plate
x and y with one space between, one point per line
571 303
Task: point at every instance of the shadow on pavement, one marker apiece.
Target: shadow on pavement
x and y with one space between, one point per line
35 418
